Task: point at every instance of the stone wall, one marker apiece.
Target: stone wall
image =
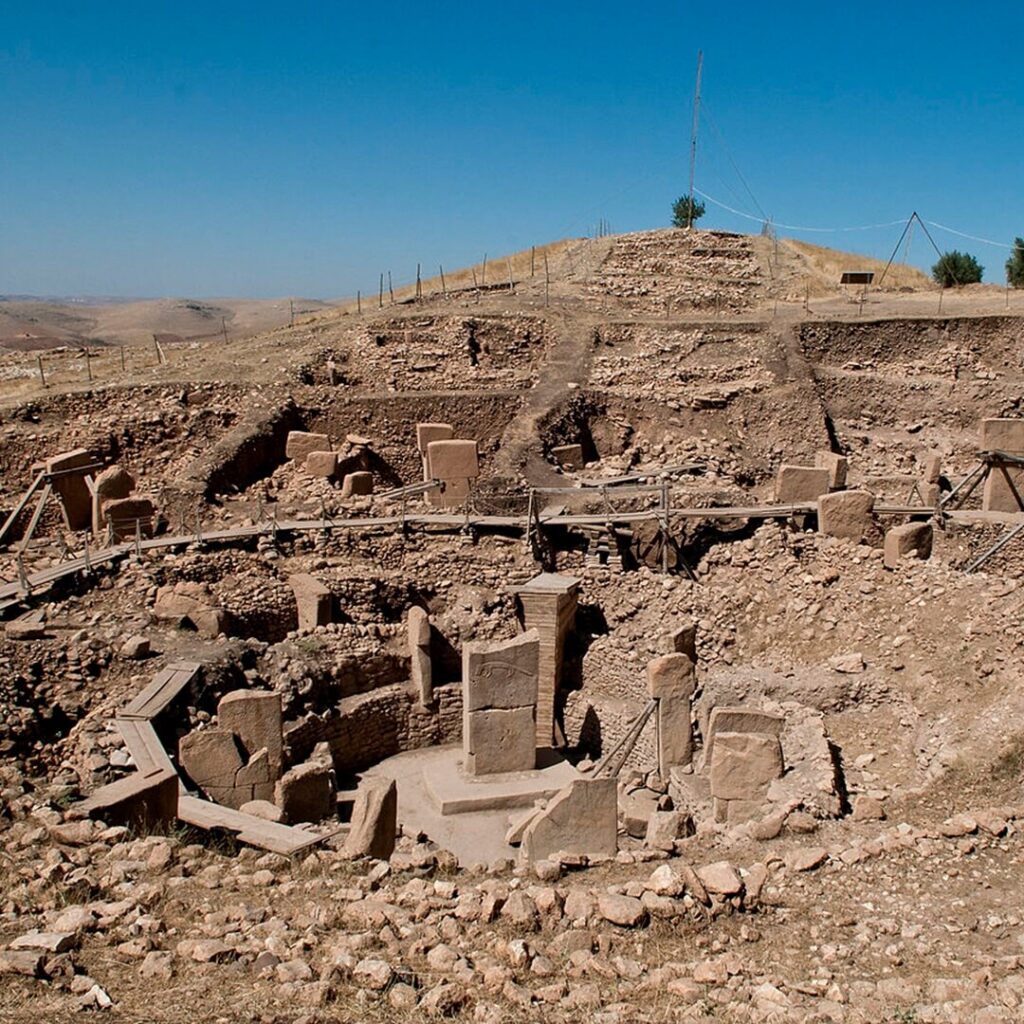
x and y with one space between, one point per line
373 726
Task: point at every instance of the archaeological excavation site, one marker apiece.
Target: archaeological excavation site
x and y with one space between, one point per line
629 631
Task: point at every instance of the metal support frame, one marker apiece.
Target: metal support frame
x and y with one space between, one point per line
993 549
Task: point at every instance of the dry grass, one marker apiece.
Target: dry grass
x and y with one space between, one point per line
496 271
830 264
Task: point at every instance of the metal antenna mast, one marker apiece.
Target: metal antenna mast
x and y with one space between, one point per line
693 137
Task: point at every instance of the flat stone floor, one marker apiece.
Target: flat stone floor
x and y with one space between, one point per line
475 836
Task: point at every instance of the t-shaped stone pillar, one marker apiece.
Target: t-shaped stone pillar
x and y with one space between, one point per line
549 606
671 680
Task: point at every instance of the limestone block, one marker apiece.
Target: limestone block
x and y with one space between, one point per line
356 484
128 515
428 432
911 538
837 466
801 483
212 760
420 666
450 493
932 468
500 740
313 600
30 625
665 827
672 676
191 604
256 779
323 464
501 673
453 460
1005 434
725 718
744 764
374 820
682 640
144 801
254 716
113 482
264 809
70 487
568 455
846 514
675 734
300 444
930 493
582 818
1003 490
305 793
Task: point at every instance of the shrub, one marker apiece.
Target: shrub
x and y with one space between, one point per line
957 268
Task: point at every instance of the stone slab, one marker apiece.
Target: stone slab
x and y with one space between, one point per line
254 716
300 444
1003 490
726 718
313 600
910 538
846 514
671 676
582 818
497 741
357 484
500 674
71 489
568 455
744 764
452 791
837 466
453 460
429 432
1004 434
126 516
323 464
801 483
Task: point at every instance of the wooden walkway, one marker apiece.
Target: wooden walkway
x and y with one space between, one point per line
20 591
153 766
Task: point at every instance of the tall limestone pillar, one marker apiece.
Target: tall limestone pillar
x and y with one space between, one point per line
549 606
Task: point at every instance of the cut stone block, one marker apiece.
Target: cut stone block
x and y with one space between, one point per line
301 444
911 538
846 514
187 603
453 460
498 741
254 716
256 779
313 600
356 484
212 760
502 673
581 819
264 809
1004 489
744 764
801 483
128 516
932 468
450 493
725 718
324 464
837 466
420 665
114 482
305 793
70 487
428 432
568 455
671 675
374 820
1005 434
682 640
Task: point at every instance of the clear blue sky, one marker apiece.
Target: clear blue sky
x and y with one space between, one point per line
272 149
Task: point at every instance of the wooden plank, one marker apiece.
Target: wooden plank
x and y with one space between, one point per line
267 835
144 745
166 685
20 507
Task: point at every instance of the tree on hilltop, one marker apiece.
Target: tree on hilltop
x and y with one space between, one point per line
686 210
957 268
1015 265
